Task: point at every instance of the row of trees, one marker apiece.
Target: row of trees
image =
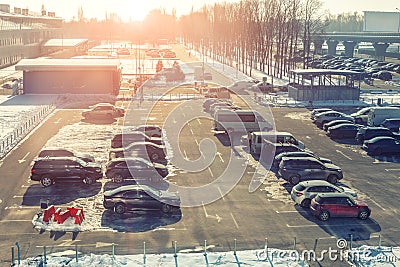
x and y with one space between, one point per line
271 35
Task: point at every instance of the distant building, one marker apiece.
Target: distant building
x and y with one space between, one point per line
70 76
21 34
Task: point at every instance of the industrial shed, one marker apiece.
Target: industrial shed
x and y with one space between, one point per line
324 84
70 76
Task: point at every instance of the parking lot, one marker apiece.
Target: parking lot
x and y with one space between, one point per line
249 217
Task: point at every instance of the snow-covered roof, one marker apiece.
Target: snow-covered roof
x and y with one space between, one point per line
64 42
45 64
316 72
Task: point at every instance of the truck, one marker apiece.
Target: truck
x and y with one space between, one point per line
378 114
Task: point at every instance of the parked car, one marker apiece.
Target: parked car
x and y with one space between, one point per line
209 101
328 205
391 124
361 116
148 150
299 169
345 130
50 170
303 192
296 154
64 152
383 75
140 197
328 116
271 149
382 145
148 129
120 169
126 138
104 111
366 133
242 85
334 123
317 111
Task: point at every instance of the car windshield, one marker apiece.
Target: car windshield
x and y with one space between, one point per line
81 162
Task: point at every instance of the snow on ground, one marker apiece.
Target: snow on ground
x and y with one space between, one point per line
251 258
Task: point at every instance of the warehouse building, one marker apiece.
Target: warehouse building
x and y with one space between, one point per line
70 76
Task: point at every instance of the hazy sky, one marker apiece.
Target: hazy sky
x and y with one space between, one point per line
137 9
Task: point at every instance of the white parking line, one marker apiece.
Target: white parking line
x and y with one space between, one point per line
191 130
220 157
234 220
184 152
376 203
35 196
341 153
197 142
198 120
220 192
212 175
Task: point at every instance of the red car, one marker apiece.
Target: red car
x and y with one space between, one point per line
328 205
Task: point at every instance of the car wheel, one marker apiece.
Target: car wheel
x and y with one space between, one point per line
120 208
332 179
117 178
306 203
88 180
154 156
294 179
166 208
324 215
378 151
363 214
46 181
323 123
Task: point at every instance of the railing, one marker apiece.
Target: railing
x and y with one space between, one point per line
10 140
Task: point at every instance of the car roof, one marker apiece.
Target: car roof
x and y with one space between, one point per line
55 158
300 158
103 104
133 187
325 195
315 183
379 138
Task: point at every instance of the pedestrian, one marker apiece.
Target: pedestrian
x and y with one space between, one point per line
15 87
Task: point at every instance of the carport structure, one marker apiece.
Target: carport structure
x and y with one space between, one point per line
70 76
324 84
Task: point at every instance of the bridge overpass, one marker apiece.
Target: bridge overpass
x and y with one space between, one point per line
379 40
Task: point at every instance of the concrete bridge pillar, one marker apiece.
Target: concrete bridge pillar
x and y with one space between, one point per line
318 46
332 46
349 48
380 50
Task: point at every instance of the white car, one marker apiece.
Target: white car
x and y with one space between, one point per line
318 111
303 192
242 85
324 117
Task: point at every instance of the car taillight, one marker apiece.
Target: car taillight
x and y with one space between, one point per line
299 194
33 171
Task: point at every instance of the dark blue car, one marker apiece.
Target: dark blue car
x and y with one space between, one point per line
345 130
382 145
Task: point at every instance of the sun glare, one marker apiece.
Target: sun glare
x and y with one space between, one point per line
134 10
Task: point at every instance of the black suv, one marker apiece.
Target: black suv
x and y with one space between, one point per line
146 150
120 169
366 133
299 169
123 139
140 197
64 169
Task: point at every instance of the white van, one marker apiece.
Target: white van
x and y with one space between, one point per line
378 114
256 139
239 121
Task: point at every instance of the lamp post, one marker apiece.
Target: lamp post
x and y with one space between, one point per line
398 27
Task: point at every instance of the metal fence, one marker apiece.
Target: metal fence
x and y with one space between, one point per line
24 127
